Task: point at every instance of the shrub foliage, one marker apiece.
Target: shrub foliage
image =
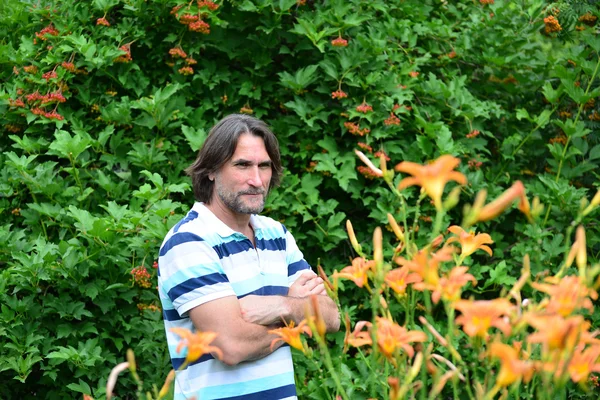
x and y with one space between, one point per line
104 103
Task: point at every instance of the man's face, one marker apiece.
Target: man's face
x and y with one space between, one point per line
242 182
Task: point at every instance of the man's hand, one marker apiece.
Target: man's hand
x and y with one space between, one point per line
306 285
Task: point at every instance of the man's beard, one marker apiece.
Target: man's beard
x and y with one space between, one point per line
235 203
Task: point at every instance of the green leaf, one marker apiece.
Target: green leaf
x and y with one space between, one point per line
68 146
195 137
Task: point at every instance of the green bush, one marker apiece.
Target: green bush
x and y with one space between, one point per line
102 114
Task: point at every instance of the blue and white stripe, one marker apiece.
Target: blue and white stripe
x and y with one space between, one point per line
201 260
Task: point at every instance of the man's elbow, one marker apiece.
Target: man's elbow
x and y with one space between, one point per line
334 326
231 354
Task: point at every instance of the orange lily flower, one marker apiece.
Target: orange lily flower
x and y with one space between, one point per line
426 264
290 334
568 295
469 241
357 272
558 333
433 177
399 278
451 286
479 316
197 343
359 337
493 209
584 362
511 367
391 336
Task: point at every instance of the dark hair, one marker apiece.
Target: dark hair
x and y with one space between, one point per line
219 148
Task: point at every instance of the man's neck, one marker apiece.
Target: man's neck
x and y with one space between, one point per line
236 221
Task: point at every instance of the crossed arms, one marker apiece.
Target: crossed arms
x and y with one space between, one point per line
242 325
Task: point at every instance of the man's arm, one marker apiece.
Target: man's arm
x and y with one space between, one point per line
266 310
238 339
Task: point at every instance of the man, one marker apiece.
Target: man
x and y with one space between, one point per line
225 269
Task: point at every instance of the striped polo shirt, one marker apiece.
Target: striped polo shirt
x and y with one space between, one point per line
202 259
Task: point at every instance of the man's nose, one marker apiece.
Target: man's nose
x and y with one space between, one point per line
255 178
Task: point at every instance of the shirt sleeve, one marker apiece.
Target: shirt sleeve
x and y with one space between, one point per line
294 258
191 272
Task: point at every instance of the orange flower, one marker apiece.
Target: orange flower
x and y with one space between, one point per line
469 241
359 337
512 368
493 209
479 316
558 333
567 295
290 334
433 177
357 272
197 343
399 278
584 362
391 336
426 264
451 286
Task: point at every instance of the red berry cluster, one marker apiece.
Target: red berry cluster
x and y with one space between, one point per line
474 164
452 54
141 277
190 61
102 21
30 69
355 129
413 74
50 75
149 307
382 153
365 147
339 94
339 42
208 4
186 70
155 265
18 103
16 211
392 120
366 172
473 134
200 26
54 97
364 108
125 58
50 115
486 1
13 128
49 30
177 52
246 110
69 66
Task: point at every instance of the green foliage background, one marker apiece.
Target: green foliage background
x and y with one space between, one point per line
87 198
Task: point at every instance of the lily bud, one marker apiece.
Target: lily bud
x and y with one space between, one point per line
352 237
320 325
368 163
496 207
581 256
593 204
397 230
164 391
452 199
131 360
378 247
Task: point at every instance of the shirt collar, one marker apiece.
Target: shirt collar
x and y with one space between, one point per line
219 226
